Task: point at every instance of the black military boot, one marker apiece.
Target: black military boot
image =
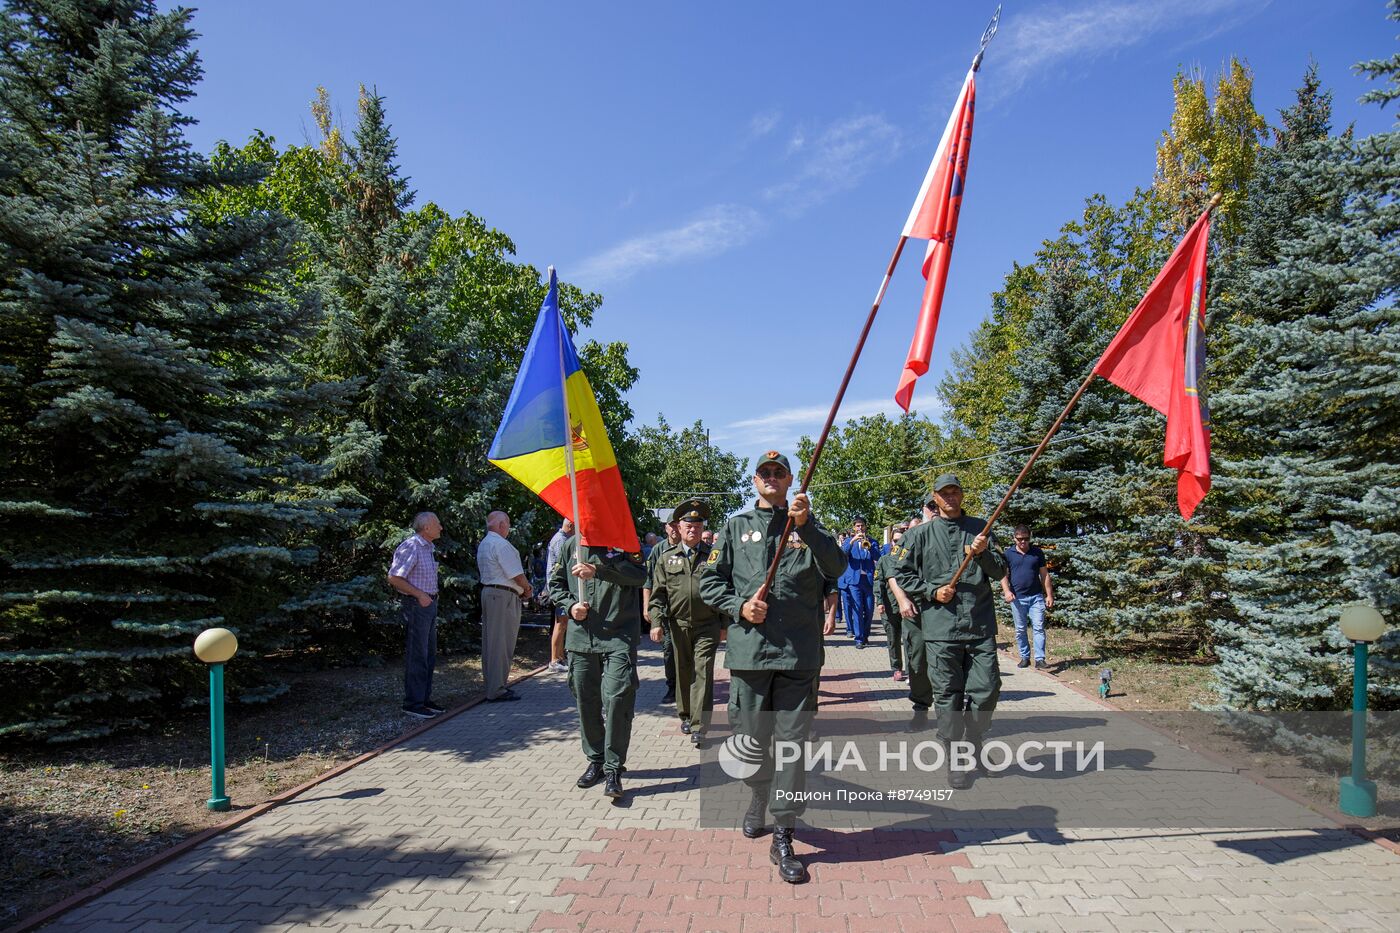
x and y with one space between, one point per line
958 778
613 787
754 824
592 775
780 853
919 721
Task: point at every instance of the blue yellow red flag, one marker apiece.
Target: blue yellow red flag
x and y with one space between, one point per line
530 443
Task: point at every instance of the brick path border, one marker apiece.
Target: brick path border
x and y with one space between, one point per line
204 835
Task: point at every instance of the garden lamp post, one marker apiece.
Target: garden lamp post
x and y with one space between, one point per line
1361 624
214 647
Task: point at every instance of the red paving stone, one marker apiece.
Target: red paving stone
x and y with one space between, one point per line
864 880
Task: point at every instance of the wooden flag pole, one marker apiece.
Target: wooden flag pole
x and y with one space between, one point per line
762 593
1074 400
807 474
568 428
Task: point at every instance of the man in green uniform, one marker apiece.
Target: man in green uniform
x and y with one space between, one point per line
775 644
887 602
668 650
597 588
677 609
953 658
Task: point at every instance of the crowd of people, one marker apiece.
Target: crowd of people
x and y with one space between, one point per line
699 589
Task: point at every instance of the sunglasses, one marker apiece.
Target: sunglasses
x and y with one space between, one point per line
772 473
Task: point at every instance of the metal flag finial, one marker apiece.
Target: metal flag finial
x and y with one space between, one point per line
987 35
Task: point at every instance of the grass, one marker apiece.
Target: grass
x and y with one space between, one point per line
73 815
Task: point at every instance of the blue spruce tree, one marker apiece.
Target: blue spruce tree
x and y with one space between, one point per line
1312 457
153 477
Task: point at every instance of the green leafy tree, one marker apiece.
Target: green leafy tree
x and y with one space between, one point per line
668 465
875 467
1211 148
157 474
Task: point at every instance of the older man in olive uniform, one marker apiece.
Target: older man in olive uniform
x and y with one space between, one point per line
953 656
775 643
597 589
676 608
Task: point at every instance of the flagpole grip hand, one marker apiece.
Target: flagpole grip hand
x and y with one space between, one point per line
946 592
978 545
754 610
578 612
801 509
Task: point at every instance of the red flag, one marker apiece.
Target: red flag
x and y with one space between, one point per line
1160 356
935 218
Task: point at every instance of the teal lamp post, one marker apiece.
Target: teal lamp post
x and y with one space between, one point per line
214 647
1361 624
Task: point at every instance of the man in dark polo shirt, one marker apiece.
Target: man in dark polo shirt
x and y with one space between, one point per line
1027 588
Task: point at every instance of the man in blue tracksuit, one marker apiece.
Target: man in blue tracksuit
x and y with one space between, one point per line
858 582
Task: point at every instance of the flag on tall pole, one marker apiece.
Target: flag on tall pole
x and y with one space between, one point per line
934 217
1160 355
552 437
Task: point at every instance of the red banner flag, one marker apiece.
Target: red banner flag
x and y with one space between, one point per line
935 218
1160 356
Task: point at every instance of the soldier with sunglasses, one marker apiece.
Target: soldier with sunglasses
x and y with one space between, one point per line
775 644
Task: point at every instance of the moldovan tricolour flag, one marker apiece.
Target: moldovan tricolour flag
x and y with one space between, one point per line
530 443
1160 356
935 218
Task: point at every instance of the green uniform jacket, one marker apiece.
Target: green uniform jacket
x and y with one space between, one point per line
884 570
614 617
790 637
927 559
675 589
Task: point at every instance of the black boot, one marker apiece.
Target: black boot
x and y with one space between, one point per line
592 775
780 853
919 722
959 778
613 787
754 824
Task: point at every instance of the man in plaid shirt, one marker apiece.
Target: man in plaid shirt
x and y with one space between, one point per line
413 573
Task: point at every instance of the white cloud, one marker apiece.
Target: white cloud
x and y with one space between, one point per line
710 232
1031 43
840 157
837 160
784 427
764 123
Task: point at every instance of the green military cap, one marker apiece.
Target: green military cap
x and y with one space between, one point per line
692 510
943 482
772 456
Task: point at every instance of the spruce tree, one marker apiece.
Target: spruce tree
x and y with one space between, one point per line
1315 425
153 428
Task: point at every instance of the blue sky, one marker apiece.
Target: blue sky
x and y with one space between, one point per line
732 177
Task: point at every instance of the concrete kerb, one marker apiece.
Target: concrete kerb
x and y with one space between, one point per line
1328 813
180 848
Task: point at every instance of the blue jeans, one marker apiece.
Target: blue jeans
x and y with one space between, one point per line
420 649
1029 609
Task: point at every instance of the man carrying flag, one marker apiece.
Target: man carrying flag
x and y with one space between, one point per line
553 440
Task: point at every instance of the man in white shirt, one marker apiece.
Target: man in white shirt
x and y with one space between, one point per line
503 585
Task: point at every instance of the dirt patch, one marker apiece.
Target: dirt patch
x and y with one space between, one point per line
70 817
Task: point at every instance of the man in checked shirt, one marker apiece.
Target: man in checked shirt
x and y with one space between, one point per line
413 574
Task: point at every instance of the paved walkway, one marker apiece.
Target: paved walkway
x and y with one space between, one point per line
476 825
